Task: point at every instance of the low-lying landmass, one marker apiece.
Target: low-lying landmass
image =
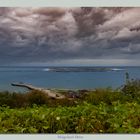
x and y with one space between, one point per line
83 111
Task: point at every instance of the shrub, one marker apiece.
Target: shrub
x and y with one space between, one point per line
36 97
12 99
103 95
132 89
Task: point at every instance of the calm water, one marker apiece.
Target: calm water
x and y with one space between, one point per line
79 78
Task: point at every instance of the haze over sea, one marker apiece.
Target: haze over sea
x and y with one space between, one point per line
66 77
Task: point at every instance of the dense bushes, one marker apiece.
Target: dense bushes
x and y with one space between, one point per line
12 99
85 118
104 95
18 100
36 97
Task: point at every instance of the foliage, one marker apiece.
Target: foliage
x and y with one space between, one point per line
36 97
18 100
132 89
104 95
12 99
86 118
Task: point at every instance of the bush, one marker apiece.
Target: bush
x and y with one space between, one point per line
104 95
12 99
36 97
132 89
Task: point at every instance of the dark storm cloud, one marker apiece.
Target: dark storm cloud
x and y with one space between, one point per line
64 34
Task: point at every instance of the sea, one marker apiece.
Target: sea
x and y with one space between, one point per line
65 77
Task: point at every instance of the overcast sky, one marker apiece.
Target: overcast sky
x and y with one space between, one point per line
69 36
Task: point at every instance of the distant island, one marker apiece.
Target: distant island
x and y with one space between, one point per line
82 69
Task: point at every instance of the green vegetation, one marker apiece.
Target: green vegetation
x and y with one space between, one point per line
85 118
99 111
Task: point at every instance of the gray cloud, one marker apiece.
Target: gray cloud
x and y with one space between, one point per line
67 34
